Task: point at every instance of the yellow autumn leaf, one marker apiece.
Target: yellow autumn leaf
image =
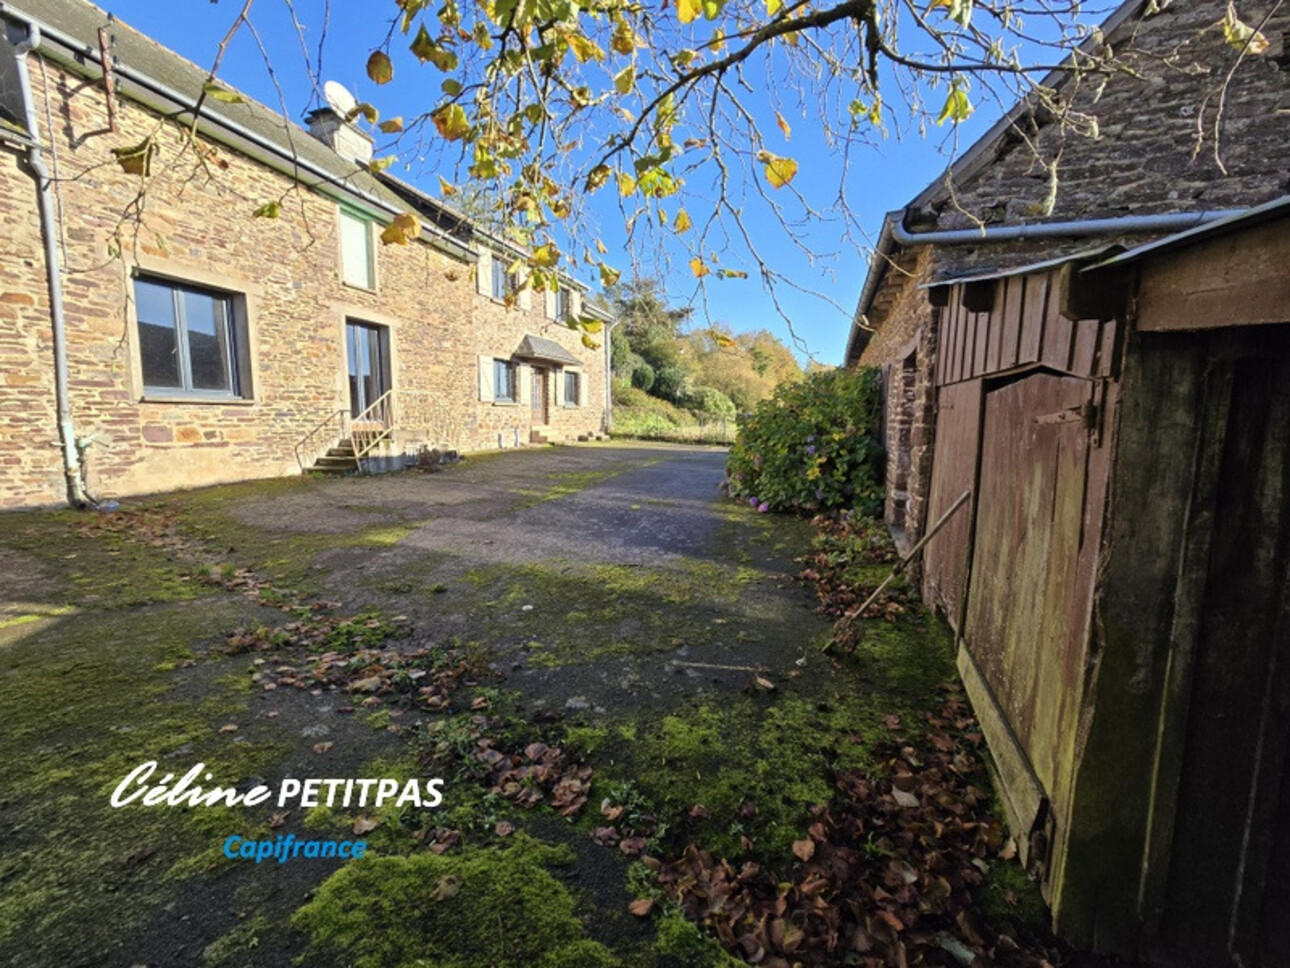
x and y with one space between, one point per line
592 325
623 40
392 126
773 7
779 171
597 177
546 256
608 274
626 184
379 68
589 343
600 247
268 210
1241 35
699 268
721 339
625 79
137 159
682 221
584 48
688 10
446 188
783 126
219 93
401 230
451 122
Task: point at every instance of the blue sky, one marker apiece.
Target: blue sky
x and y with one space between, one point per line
878 178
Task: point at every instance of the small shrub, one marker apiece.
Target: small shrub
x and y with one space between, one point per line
710 402
643 376
812 446
670 383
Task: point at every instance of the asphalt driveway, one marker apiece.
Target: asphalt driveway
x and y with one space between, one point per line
604 602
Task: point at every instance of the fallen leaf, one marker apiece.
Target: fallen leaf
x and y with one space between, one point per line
642 907
323 747
804 849
363 825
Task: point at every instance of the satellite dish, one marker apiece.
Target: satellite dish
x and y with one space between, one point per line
339 98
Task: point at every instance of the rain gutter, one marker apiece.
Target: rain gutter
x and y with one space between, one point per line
280 160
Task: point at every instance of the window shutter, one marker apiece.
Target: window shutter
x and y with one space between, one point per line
524 377
551 303
575 303
582 389
526 298
486 378
484 273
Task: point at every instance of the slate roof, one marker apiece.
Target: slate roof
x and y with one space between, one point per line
1140 163
147 71
545 350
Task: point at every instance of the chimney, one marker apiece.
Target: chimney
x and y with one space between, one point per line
341 136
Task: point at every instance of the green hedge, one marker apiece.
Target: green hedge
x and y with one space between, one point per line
813 446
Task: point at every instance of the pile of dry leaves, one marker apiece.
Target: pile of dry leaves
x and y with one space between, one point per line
885 876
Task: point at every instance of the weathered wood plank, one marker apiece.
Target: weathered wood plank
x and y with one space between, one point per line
1238 280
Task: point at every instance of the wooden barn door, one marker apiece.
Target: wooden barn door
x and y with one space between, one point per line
1032 565
1229 873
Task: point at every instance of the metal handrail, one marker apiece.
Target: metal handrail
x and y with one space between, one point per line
379 417
338 416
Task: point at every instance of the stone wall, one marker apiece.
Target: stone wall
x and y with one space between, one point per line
191 222
31 470
499 329
1155 148
904 347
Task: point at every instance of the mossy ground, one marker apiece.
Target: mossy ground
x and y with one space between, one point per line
641 669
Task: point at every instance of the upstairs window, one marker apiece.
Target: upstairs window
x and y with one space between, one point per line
563 305
189 340
503 283
357 254
572 396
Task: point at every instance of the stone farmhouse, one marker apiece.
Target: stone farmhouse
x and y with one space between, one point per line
1086 350
193 289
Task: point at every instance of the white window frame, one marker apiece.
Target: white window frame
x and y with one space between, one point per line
505 371
357 220
572 378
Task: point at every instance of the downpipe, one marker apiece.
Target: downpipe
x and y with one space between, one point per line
76 495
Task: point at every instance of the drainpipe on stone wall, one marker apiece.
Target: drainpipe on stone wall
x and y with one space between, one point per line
609 376
54 275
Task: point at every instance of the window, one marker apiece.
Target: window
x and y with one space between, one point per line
563 305
189 340
504 381
357 265
571 389
504 283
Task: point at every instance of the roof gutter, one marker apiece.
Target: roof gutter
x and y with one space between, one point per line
287 164
894 231
1173 222
53 274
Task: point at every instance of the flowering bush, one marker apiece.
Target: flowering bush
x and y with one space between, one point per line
812 446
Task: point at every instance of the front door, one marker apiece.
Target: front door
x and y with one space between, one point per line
369 368
539 396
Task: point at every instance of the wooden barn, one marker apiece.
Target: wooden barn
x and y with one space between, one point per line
1120 581
1091 337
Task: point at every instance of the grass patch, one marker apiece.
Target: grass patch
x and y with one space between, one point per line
496 907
